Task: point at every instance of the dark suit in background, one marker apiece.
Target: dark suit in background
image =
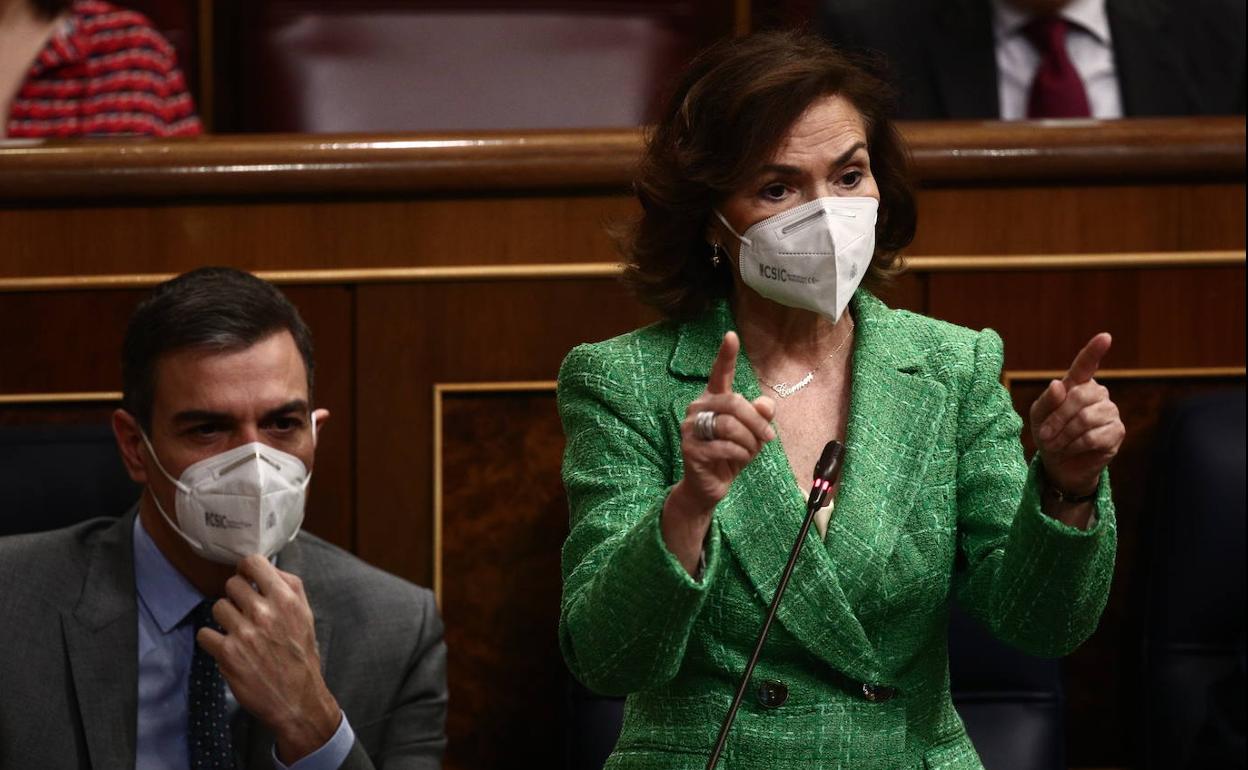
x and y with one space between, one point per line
69 668
1173 57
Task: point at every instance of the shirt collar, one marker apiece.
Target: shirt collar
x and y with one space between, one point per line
1088 15
165 592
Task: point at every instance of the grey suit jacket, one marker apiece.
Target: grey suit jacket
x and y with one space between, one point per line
69 653
1173 57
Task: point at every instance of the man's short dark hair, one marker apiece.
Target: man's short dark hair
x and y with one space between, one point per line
211 308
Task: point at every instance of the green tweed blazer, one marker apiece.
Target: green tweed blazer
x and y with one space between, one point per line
935 501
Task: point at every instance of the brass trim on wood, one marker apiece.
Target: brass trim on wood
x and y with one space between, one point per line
572 270
1104 261
84 397
1009 377
515 386
441 389
577 270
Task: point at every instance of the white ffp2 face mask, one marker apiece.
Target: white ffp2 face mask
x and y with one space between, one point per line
811 257
245 500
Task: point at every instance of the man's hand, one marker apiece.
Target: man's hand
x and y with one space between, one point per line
269 658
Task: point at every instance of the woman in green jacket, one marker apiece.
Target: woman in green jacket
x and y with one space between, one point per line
774 198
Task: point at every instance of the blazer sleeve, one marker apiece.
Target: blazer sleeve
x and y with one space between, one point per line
628 606
414 734
1035 582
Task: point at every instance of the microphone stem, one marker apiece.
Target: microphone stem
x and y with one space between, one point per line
811 508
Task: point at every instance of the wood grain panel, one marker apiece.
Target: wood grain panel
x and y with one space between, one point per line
569 228
504 518
329 313
410 337
1168 318
1101 676
1079 218
44 345
309 234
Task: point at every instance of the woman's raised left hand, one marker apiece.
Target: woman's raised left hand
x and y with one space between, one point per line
1075 425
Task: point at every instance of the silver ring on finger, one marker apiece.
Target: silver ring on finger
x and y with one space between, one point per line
704 425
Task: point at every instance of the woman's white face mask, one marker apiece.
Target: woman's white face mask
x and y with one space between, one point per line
811 257
245 500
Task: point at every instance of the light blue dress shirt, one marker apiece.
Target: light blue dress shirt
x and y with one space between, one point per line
166 644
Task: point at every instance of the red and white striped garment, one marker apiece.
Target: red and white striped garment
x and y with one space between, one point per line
105 71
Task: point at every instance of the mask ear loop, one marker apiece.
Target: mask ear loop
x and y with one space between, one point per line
307 479
741 238
192 542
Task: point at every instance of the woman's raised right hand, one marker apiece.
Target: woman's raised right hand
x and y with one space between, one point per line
741 429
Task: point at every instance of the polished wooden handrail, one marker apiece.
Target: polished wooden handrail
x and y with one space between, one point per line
234 166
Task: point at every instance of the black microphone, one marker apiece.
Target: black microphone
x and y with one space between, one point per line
826 470
825 473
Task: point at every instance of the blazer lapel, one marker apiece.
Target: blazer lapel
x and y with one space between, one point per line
962 56
292 559
894 420
101 640
761 516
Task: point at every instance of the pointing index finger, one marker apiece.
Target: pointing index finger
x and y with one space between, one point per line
725 365
1088 360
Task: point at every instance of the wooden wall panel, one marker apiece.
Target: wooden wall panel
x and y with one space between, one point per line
410 338
44 346
329 313
504 516
1039 218
1164 317
309 234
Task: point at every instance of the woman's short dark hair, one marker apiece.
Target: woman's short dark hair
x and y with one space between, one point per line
51 8
211 308
724 120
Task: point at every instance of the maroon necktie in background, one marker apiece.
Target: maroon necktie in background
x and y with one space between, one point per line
1057 90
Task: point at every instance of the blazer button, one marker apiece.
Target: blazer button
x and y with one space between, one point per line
772 694
877 693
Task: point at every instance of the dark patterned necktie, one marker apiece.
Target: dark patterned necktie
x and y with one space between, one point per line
208 731
1057 90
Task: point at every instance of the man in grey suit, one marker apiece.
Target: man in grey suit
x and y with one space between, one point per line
203 628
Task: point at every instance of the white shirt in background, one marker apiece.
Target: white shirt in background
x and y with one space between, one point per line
1088 44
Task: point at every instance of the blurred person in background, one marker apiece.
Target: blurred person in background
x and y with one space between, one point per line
88 68
1015 59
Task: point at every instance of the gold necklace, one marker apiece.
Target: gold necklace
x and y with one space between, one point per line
784 389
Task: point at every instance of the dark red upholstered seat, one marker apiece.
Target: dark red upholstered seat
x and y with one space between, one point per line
365 65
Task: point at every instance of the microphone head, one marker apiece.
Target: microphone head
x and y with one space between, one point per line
829 461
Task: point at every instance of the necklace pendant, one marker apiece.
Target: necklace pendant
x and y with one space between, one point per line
784 390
